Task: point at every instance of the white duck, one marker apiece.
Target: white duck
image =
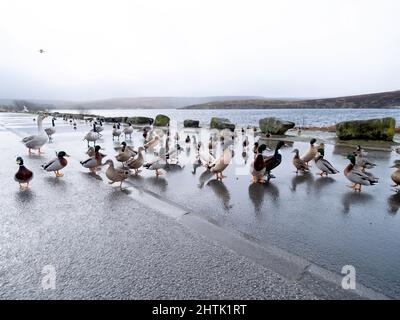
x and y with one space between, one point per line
156 165
221 163
205 156
116 132
128 131
92 135
37 141
311 153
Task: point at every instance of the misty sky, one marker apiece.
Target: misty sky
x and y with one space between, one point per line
116 48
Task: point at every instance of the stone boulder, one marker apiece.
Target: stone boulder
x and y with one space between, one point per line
221 123
275 125
372 129
191 123
114 119
161 120
140 120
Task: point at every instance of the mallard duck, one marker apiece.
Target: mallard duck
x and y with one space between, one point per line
156 165
94 161
125 153
255 148
396 175
23 175
115 175
92 135
57 164
36 142
221 163
311 153
128 131
52 130
245 143
356 176
116 132
361 159
299 164
152 143
273 161
136 162
257 167
323 164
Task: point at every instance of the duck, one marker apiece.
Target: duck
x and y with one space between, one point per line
187 140
57 164
205 156
273 161
361 159
255 148
125 153
221 163
136 162
395 176
311 153
92 135
116 132
324 165
100 128
52 130
156 165
94 161
356 176
245 143
152 143
23 175
115 175
298 163
36 142
257 167
128 131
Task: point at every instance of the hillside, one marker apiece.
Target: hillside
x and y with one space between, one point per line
375 100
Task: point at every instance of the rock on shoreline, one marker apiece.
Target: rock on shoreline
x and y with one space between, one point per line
373 129
274 125
221 123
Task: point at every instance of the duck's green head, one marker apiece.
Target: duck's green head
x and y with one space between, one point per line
20 161
352 158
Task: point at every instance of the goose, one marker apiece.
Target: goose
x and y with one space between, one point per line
311 153
23 175
221 163
92 135
324 165
273 161
115 175
395 176
94 161
356 176
152 143
128 131
100 128
299 164
37 141
57 164
52 130
116 132
136 162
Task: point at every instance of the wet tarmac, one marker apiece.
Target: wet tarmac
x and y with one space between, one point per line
317 218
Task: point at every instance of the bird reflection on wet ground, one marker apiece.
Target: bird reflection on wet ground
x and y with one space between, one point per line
352 198
394 203
221 191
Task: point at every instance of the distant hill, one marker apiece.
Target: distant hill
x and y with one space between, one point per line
374 100
119 103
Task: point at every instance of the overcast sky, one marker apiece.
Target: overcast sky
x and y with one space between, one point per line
117 48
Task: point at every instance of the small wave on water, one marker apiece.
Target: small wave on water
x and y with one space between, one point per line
302 117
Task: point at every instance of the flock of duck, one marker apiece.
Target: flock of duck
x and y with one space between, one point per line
132 160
